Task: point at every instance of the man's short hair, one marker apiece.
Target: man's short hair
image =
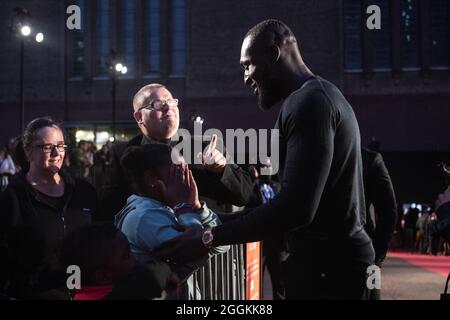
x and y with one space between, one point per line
144 93
138 159
280 32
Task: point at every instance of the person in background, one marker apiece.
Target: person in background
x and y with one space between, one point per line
410 228
38 208
7 167
77 160
381 206
108 269
17 154
89 154
102 160
441 225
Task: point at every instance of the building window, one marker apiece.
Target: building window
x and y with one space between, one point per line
409 34
178 29
352 35
102 36
382 38
128 42
153 37
77 46
440 54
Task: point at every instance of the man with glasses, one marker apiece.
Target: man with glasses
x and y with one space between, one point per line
157 115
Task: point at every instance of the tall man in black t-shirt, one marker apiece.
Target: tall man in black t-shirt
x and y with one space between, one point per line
321 203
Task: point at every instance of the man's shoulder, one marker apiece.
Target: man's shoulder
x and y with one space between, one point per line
314 92
119 147
135 141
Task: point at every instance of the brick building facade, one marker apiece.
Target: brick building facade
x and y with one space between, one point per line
397 78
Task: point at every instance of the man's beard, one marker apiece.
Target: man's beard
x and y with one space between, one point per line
269 93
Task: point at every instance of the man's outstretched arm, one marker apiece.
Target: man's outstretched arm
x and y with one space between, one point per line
309 131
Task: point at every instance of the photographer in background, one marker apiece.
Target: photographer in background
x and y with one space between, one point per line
442 224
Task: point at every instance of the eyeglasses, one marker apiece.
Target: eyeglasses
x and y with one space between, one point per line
48 148
158 105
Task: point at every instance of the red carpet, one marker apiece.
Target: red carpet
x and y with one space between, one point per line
438 264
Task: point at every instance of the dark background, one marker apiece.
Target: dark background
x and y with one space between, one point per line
397 78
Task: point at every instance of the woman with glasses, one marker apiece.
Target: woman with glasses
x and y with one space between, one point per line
37 209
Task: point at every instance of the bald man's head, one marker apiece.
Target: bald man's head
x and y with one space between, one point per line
157 124
142 97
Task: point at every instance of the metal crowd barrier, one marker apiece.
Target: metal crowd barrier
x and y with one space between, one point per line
223 276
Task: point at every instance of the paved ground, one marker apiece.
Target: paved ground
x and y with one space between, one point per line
404 277
402 280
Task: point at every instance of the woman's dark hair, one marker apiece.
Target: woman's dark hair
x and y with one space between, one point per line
19 156
90 248
29 135
137 160
5 149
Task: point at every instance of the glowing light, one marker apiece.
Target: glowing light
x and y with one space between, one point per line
26 30
40 37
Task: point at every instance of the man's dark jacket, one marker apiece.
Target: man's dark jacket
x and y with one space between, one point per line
233 186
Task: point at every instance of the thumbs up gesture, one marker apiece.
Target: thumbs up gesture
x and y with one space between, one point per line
212 159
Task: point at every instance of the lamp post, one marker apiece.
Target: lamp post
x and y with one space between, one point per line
115 69
22 100
23 31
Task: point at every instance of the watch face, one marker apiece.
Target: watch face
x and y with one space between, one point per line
207 238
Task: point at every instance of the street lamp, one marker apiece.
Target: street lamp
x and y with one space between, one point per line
23 30
115 69
39 37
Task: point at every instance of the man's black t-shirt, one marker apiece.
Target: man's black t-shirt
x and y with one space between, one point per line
321 203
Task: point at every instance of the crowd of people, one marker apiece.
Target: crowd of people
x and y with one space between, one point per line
418 232
145 221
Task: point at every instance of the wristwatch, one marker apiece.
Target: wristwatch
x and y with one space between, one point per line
208 238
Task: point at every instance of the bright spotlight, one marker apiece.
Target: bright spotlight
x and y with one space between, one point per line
119 67
40 37
124 70
25 30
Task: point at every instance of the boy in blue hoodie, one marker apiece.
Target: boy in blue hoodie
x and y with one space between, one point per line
165 202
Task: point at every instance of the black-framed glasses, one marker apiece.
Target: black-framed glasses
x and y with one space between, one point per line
48 147
159 104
